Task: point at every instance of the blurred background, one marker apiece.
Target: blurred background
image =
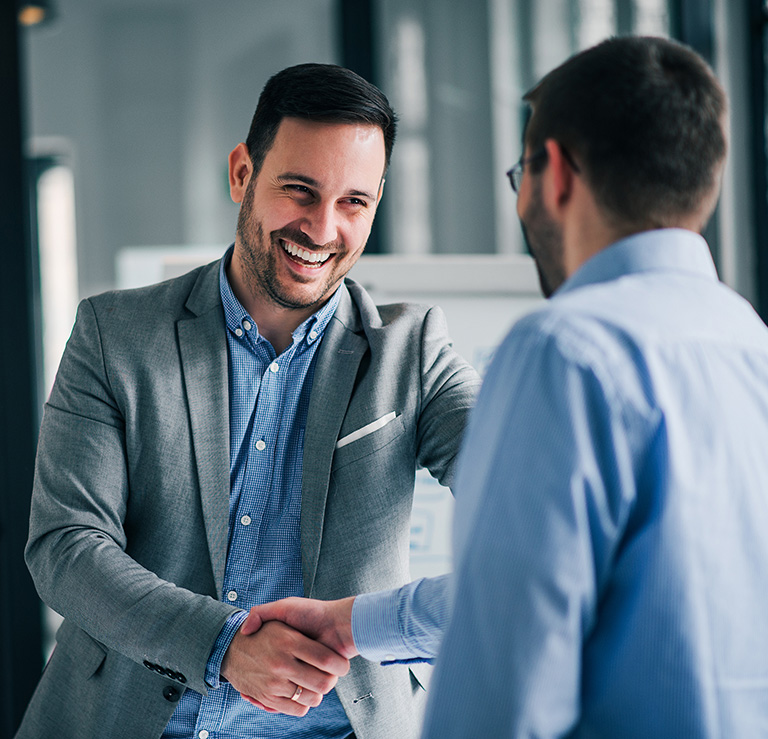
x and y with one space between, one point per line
117 117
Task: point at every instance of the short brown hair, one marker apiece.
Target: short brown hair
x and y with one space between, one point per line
318 92
645 119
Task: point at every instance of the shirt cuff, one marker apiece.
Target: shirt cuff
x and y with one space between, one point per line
377 628
227 633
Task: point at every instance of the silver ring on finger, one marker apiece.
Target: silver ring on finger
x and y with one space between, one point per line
297 693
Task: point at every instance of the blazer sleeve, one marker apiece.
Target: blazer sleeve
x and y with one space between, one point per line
449 386
77 543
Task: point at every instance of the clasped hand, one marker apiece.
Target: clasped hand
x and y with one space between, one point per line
290 644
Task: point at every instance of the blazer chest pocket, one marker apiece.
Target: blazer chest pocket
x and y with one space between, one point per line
361 443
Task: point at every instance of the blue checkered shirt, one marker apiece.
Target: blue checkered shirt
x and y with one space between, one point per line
268 404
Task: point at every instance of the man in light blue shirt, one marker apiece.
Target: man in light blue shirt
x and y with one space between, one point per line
612 497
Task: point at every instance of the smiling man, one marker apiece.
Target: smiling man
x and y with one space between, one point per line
246 432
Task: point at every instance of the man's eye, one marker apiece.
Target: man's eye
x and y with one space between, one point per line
302 189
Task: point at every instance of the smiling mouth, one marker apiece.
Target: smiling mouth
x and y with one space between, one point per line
304 257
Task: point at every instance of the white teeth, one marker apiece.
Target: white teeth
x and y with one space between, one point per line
307 256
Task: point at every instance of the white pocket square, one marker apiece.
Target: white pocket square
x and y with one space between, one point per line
369 428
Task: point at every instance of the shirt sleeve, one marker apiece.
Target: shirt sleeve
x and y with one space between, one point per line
402 625
227 633
543 491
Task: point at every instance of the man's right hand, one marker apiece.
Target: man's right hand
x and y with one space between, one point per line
328 621
267 667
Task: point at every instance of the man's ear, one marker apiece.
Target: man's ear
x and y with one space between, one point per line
240 171
559 182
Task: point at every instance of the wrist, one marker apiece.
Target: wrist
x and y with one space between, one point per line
221 653
344 609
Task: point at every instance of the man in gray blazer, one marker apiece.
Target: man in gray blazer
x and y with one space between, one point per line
246 432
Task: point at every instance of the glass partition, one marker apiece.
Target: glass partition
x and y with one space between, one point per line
456 78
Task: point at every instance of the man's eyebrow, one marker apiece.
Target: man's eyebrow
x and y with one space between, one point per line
294 176
312 182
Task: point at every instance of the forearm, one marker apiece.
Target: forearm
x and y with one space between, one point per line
76 554
124 606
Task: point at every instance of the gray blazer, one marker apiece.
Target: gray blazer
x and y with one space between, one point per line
128 532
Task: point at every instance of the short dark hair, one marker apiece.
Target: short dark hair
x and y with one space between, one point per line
318 92
645 119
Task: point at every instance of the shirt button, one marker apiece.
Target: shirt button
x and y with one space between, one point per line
312 335
247 325
231 596
261 445
203 734
245 520
238 331
274 367
389 658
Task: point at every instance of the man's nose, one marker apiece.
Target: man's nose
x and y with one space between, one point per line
321 224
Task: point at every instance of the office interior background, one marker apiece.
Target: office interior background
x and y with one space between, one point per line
118 115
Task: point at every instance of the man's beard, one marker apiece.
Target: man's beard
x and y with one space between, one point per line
544 239
259 258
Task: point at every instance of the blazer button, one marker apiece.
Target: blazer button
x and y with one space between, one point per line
148 665
177 676
171 694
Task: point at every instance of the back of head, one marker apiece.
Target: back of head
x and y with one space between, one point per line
645 118
318 92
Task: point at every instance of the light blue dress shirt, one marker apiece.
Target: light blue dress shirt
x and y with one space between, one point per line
611 518
269 401
611 525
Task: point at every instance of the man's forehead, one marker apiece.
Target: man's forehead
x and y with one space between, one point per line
344 155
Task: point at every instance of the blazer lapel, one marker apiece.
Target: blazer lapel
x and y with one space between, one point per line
203 348
338 359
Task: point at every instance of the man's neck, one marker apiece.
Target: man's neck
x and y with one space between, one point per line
587 230
276 323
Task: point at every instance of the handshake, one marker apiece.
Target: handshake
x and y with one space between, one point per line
288 654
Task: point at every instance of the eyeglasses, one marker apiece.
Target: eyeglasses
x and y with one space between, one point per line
516 173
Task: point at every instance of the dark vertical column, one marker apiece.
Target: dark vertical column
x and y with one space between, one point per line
525 40
758 64
357 37
693 23
625 16
20 621
358 43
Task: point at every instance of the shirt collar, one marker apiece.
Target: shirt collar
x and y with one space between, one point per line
668 249
237 318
